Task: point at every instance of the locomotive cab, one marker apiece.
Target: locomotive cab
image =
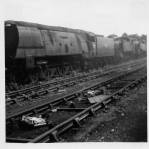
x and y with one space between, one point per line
11 42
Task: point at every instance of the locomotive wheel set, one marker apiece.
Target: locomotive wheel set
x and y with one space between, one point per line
35 52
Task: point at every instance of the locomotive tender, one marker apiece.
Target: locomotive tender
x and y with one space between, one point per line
39 49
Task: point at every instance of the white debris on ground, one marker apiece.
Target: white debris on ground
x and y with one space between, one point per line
61 90
97 99
34 121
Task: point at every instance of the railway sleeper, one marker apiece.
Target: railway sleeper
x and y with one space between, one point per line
71 109
43 109
34 94
25 97
53 137
76 123
65 128
127 80
98 107
12 101
50 106
92 112
71 104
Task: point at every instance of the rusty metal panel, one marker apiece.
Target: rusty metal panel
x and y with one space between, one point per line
65 43
143 47
118 48
30 43
117 44
105 47
98 99
135 46
127 46
29 37
49 42
83 42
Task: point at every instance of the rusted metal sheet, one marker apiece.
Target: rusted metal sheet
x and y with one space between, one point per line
29 37
30 42
49 42
36 43
117 44
83 44
105 47
143 47
127 46
66 43
118 48
97 99
61 43
135 46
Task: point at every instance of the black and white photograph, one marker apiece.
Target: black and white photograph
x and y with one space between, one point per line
74 71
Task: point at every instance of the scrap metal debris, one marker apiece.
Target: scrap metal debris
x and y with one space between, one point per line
33 121
97 99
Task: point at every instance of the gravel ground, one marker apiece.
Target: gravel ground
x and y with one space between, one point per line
122 121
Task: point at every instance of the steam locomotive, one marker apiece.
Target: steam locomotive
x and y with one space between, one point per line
34 50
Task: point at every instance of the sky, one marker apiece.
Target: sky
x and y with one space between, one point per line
98 16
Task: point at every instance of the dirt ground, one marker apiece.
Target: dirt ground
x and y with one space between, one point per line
121 121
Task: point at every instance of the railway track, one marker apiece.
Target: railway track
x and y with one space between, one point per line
17 97
55 82
50 100
47 84
71 110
